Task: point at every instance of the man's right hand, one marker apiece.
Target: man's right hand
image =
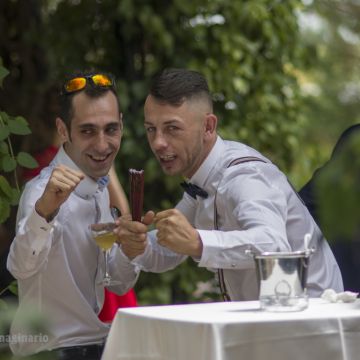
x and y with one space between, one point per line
132 235
61 184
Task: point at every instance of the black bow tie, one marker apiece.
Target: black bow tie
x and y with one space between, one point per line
194 190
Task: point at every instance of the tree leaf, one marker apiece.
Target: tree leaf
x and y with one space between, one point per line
4 148
18 127
4 117
3 73
4 210
26 160
5 187
4 132
21 120
8 163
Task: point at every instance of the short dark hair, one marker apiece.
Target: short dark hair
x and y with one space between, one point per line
174 86
66 110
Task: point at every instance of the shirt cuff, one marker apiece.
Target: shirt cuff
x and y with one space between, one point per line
41 229
208 239
138 261
126 261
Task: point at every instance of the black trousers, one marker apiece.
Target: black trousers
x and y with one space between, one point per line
88 352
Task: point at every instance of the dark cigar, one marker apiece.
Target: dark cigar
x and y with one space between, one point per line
136 193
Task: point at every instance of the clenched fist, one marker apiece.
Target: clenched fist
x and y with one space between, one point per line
61 184
177 234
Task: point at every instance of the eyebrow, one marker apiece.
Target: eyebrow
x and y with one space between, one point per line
90 125
167 122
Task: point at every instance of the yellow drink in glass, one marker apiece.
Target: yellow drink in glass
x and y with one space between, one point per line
103 235
106 240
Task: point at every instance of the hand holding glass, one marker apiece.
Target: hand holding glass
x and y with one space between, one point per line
105 238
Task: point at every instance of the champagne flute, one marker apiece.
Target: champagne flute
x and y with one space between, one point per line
104 237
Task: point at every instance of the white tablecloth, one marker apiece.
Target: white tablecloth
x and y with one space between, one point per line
235 331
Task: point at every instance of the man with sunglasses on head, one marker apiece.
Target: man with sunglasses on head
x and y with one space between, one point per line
237 199
58 265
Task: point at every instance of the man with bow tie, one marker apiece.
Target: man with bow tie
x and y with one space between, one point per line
235 198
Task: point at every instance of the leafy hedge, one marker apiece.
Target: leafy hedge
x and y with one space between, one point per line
249 51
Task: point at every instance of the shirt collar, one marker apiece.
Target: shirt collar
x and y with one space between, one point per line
88 186
210 161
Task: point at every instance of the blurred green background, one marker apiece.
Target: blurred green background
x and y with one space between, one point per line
284 75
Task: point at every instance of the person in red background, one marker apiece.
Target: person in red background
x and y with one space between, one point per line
43 145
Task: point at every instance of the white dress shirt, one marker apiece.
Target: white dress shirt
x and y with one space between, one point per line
59 267
257 210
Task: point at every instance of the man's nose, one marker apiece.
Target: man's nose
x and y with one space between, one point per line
159 141
101 142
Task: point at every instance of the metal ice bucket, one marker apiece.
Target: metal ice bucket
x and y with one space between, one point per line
282 278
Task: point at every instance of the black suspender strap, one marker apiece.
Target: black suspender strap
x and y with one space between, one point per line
244 159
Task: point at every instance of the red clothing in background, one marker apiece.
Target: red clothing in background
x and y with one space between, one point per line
43 160
112 301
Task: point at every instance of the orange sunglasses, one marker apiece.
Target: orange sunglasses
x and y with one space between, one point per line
78 83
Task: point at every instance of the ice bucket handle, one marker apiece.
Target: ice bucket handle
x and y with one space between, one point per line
306 252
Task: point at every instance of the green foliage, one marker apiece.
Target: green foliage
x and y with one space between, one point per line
9 126
246 49
243 47
9 195
249 51
286 92
330 81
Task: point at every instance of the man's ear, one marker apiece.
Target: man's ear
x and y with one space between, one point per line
210 124
62 130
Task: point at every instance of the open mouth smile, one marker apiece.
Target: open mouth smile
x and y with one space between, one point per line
99 159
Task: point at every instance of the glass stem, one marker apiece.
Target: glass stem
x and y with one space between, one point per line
107 277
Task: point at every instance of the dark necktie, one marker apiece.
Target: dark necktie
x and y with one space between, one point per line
194 190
